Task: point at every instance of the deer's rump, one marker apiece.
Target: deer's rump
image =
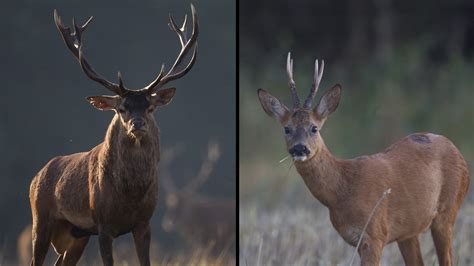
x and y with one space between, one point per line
61 190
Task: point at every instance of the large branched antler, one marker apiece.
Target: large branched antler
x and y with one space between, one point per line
186 45
73 41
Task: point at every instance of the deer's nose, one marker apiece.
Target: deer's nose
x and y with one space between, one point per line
299 150
138 124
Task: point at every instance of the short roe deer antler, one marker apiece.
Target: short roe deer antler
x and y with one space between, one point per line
318 75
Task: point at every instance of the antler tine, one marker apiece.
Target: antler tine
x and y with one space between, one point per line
291 82
180 31
213 154
157 79
186 45
318 75
73 41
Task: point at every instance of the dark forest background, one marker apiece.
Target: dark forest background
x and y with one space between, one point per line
43 111
404 67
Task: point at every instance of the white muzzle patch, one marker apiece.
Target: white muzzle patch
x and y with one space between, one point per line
300 158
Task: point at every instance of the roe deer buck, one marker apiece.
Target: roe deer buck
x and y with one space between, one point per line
112 189
426 173
199 219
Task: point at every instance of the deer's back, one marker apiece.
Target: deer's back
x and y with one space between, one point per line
430 165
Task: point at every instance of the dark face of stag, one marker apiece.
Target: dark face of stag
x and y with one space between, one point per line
301 125
135 109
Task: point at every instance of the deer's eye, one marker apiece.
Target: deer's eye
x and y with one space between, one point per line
121 110
149 110
287 130
314 129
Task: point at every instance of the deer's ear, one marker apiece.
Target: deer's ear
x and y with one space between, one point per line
162 97
328 102
104 102
272 106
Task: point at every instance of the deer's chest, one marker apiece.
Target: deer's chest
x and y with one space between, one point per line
130 213
122 206
348 225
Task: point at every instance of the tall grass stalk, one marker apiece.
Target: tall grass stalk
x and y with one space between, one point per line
385 193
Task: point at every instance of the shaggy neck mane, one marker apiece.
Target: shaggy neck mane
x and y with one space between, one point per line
130 164
325 176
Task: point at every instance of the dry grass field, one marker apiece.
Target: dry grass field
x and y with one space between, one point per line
282 224
124 255
304 236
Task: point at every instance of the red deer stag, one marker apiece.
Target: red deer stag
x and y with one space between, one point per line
426 173
199 219
112 189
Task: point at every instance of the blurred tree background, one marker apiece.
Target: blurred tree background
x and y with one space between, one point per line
404 67
43 108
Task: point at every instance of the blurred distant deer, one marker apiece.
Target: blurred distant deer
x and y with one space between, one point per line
200 219
112 189
426 173
24 246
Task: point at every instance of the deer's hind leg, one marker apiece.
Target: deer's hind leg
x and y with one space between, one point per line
411 251
41 238
442 233
74 252
68 247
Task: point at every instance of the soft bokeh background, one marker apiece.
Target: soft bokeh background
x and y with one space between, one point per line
43 110
404 66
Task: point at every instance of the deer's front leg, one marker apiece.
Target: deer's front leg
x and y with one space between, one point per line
370 252
105 243
142 236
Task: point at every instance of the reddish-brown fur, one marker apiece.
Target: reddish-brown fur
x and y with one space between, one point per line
113 188
426 173
109 191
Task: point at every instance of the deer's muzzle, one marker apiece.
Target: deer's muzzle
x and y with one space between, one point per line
299 152
137 124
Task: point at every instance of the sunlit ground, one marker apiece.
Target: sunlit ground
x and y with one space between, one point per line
124 254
